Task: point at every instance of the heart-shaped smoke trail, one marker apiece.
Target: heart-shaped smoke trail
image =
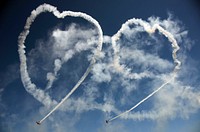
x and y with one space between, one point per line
120 68
30 87
43 97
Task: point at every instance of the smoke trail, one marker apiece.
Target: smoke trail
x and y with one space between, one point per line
52 76
147 28
73 89
64 50
143 100
30 87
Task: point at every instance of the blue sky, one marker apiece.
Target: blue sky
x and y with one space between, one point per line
145 63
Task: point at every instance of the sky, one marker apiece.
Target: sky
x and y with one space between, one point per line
138 46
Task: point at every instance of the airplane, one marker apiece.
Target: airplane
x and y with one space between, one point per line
107 121
38 122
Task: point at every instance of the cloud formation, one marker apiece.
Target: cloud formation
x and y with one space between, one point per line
132 64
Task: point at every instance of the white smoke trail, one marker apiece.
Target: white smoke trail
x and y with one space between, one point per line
30 87
143 100
73 89
147 27
63 47
52 76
